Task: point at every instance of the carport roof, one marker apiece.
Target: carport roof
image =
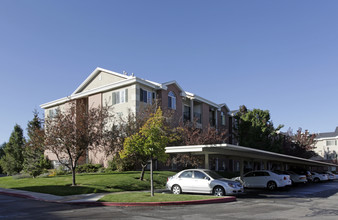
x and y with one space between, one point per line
245 153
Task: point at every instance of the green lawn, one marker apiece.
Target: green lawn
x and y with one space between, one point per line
87 183
145 197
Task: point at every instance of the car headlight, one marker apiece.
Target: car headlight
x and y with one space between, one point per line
232 185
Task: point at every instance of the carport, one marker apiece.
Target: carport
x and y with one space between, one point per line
247 155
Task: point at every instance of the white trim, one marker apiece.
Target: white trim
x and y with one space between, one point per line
199 98
98 90
326 138
240 149
165 85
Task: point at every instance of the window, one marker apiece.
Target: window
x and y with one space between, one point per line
186 113
52 112
186 174
199 175
147 96
120 97
223 119
212 118
331 142
171 100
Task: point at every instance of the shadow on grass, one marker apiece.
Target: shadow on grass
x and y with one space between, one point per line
62 190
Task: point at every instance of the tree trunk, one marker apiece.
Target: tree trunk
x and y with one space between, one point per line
143 170
73 175
151 178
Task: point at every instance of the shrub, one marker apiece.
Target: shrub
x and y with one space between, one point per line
22 176
88 168
118 164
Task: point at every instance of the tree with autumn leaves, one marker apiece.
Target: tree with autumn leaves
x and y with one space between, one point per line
72 132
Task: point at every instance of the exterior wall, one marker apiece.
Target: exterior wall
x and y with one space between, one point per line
205 115
163 96
95 101
62 107
102 79
139 105
121 109
326 151
98 157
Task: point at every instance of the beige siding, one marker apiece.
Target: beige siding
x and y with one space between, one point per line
102 79
121 109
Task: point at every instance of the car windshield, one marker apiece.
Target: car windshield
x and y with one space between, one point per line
213 175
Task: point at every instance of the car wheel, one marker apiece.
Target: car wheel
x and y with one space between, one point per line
176 189
272 185
218 191
316 180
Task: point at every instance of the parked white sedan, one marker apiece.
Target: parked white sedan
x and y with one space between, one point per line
265 179
295 178
317 177
203 181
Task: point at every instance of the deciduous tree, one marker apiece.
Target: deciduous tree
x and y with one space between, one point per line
149 143
254 128
300 144
75 131
190 134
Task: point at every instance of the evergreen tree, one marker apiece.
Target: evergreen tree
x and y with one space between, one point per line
34 161
2 153
12 161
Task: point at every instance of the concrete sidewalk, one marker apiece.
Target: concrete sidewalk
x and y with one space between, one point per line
92 199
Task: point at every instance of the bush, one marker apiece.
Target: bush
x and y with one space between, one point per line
118 164
88 168
22 176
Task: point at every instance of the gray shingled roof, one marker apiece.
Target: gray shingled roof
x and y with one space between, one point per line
328 134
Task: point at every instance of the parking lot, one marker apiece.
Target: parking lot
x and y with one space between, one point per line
308 201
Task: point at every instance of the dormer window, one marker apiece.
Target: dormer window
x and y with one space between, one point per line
171 100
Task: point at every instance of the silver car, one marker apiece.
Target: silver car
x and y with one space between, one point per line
203 181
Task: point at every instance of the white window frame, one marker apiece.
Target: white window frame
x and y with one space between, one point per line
120 96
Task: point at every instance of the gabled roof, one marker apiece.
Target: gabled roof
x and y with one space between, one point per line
328 134
183 93
126 80
94 74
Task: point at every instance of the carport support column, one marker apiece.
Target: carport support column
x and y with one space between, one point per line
241 167
206 161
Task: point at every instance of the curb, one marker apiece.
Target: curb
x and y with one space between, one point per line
127 204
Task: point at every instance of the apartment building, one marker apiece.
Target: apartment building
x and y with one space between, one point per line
128 93
326 145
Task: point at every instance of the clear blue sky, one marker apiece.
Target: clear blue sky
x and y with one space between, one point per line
273 55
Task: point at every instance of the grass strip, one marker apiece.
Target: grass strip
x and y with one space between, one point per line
146 197
87 183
